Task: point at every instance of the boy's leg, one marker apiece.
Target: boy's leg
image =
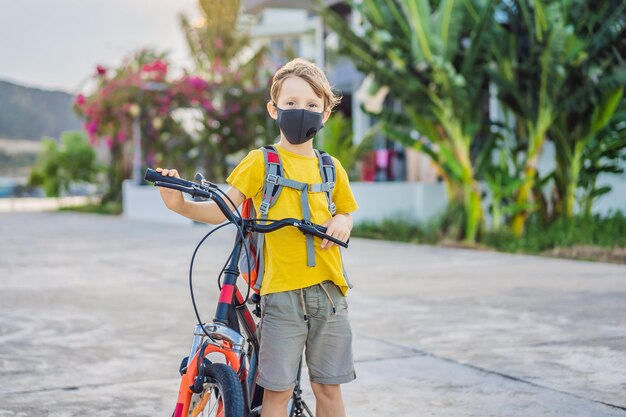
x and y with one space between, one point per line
329 351
282 336
328 400
275 403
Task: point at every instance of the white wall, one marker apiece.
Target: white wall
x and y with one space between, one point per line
411 201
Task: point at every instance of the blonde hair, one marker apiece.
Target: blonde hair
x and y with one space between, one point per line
310 73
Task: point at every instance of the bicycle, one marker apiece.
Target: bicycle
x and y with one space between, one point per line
229 389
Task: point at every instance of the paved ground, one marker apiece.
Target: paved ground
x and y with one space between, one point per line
95 316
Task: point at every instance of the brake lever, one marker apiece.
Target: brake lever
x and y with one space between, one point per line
192 191
308 226
204 182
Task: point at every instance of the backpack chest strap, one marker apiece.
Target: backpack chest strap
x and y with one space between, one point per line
306 210
322 187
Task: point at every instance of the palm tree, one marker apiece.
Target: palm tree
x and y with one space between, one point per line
605 154
432 60
592 93
544 55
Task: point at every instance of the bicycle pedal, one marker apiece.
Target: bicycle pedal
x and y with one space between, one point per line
255 412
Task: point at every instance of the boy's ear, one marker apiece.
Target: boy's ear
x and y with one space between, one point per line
326 115
271 109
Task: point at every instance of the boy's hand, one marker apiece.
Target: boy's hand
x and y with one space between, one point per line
173 199
338 227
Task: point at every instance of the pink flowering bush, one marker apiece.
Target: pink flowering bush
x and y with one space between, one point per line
232 108
137 89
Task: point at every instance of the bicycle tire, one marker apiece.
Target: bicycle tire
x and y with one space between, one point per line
222 397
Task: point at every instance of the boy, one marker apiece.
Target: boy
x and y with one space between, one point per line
303 307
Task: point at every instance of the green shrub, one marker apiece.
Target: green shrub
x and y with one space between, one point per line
607 231
57 166
389 229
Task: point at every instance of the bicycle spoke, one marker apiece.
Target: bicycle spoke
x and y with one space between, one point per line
208 405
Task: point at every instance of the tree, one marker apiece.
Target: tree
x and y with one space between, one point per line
543 56
593 90
236 118
605 153
59 166
432 60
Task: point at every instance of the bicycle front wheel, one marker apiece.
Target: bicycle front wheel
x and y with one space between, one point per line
222 395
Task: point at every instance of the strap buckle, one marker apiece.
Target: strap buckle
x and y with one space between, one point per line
323 187
264 207
272 179
333 208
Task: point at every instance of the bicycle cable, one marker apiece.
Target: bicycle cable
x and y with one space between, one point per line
239 226
193 257
243 242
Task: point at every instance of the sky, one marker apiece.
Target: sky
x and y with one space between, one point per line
56 44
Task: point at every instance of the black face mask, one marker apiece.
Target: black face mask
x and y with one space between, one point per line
299 125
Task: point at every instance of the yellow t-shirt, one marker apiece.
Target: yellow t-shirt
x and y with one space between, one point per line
285 249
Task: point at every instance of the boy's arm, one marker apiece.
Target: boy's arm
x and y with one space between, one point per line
204 212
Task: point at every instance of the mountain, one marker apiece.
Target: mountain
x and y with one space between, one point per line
31 113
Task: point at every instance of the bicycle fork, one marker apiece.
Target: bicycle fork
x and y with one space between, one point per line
192 378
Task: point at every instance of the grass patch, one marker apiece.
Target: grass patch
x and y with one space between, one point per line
389 229
109 208
607 232
594 238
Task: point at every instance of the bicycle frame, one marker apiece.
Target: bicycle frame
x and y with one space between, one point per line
225 340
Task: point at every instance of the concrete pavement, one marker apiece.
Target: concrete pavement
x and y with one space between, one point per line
95 316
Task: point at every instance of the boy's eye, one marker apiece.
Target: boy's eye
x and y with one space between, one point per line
291 103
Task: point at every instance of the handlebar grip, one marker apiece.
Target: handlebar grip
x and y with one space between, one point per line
152 176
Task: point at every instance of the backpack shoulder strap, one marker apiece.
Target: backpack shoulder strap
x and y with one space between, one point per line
271 191
329 177
271 186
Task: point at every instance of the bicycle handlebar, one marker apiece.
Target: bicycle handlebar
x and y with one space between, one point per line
200 190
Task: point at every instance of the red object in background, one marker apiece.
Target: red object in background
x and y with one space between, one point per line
391 165
368 166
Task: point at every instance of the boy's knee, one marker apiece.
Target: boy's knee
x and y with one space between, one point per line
277 397
326 391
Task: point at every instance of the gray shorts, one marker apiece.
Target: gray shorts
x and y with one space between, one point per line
325 336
